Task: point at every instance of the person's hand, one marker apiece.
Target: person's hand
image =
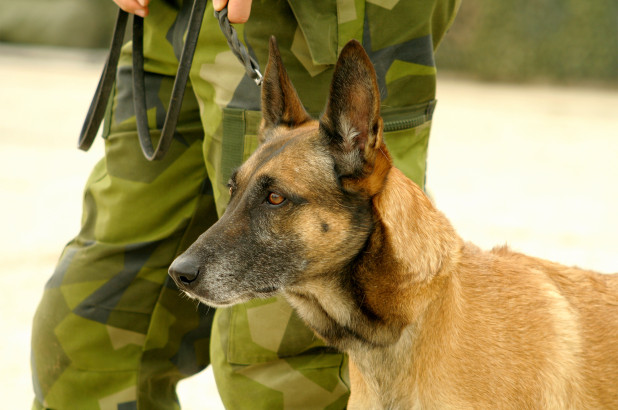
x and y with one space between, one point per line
238 11
138 7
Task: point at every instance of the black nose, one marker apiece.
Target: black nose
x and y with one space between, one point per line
184 270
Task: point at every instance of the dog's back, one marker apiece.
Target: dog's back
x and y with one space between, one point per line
494 329
522 331
583 321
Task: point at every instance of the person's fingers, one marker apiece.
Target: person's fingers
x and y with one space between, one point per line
219 4
238 11
138 7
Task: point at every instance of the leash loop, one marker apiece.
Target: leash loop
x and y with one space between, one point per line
96 111
178 91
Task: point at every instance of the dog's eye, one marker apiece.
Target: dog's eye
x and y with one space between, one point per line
275 199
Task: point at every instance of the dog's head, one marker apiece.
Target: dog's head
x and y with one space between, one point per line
300 206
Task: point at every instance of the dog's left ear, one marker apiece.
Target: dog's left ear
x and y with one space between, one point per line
280 102
352 122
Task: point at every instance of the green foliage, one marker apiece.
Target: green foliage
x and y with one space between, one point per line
562 41
70 23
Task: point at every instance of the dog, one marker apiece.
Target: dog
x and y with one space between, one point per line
319 214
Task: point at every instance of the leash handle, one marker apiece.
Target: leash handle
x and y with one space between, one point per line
96 111
240 51
178 91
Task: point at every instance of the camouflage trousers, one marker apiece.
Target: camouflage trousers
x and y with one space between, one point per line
112 331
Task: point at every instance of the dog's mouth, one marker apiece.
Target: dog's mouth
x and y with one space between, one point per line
260 293
212 302
269 290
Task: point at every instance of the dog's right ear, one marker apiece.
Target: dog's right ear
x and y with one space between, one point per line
352 125
281 105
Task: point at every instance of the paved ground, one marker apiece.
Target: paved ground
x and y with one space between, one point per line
532 166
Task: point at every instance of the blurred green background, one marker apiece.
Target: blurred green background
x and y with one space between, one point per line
71 23
550 41
558 41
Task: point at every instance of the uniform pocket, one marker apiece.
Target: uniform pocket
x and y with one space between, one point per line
406 133
264 343
262 331
318 22
239 139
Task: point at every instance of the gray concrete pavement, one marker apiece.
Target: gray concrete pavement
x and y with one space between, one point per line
532 166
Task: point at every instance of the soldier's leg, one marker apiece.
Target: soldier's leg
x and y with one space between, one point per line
262 354
401 38
111 331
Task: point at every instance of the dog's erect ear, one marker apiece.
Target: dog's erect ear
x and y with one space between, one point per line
280 102
352 122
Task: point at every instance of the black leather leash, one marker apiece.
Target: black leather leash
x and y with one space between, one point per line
178 91
251 66
96 112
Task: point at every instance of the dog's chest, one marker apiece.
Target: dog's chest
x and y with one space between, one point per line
388 375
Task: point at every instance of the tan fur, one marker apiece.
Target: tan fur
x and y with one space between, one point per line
504 331
360 252
463 328
459 327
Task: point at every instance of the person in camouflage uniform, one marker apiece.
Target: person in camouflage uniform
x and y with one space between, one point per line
112 331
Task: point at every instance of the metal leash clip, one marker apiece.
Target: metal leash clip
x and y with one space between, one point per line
96 112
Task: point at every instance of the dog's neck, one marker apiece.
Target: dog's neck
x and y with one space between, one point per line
409 255
401 271
412 248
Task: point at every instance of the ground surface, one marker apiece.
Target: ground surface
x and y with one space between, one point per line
532 166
